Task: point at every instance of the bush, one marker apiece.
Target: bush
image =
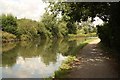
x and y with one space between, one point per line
8 36
9 23
25 37
63 29
104 33
28 27
72 28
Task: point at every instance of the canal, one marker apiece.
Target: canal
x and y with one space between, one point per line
38 58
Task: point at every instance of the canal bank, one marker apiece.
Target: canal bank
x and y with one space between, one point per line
94 62
38 58
72 61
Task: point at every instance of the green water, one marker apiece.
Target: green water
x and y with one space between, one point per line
36 59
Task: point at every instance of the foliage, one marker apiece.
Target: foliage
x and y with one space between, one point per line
51 25
65 67
71 28
7 36
104 36
8 23
108 12
87 27
69 63
42 31
77 11
110 31
115 26
27 27
25 37
62 28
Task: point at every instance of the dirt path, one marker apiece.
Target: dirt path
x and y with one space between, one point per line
95 63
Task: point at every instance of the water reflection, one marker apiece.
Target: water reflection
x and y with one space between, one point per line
36 59
31 67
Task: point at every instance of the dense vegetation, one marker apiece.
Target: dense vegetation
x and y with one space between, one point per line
107 11
109 33
48 27
76 20
72 13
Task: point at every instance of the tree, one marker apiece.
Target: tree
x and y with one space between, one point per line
62 28
80 11
42 31
87 27
77 11
27 27
71 28
50 23
9 23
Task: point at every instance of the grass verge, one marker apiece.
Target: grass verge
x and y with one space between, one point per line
65 67
83 35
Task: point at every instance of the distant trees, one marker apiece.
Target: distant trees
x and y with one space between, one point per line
109 33
72 27
51 26
27 27
87 27
80 11
50 23
48 27
9 23
63 30
42 31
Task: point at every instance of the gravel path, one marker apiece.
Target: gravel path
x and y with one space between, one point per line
95 63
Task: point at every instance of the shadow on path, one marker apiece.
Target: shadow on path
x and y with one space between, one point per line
95 63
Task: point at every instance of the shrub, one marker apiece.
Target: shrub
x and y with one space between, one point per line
8 36
9 23
25 37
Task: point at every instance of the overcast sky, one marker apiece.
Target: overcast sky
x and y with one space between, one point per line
97 21
31 9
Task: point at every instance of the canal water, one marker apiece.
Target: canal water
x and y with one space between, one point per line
38 58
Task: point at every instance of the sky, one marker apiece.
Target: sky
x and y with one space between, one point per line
31 9
97 21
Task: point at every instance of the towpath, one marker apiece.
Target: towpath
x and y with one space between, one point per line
96 63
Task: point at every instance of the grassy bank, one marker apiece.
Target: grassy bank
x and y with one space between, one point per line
66 66
83 35
70 62
8 37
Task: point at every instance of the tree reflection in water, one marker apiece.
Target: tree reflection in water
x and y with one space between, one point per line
24 56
